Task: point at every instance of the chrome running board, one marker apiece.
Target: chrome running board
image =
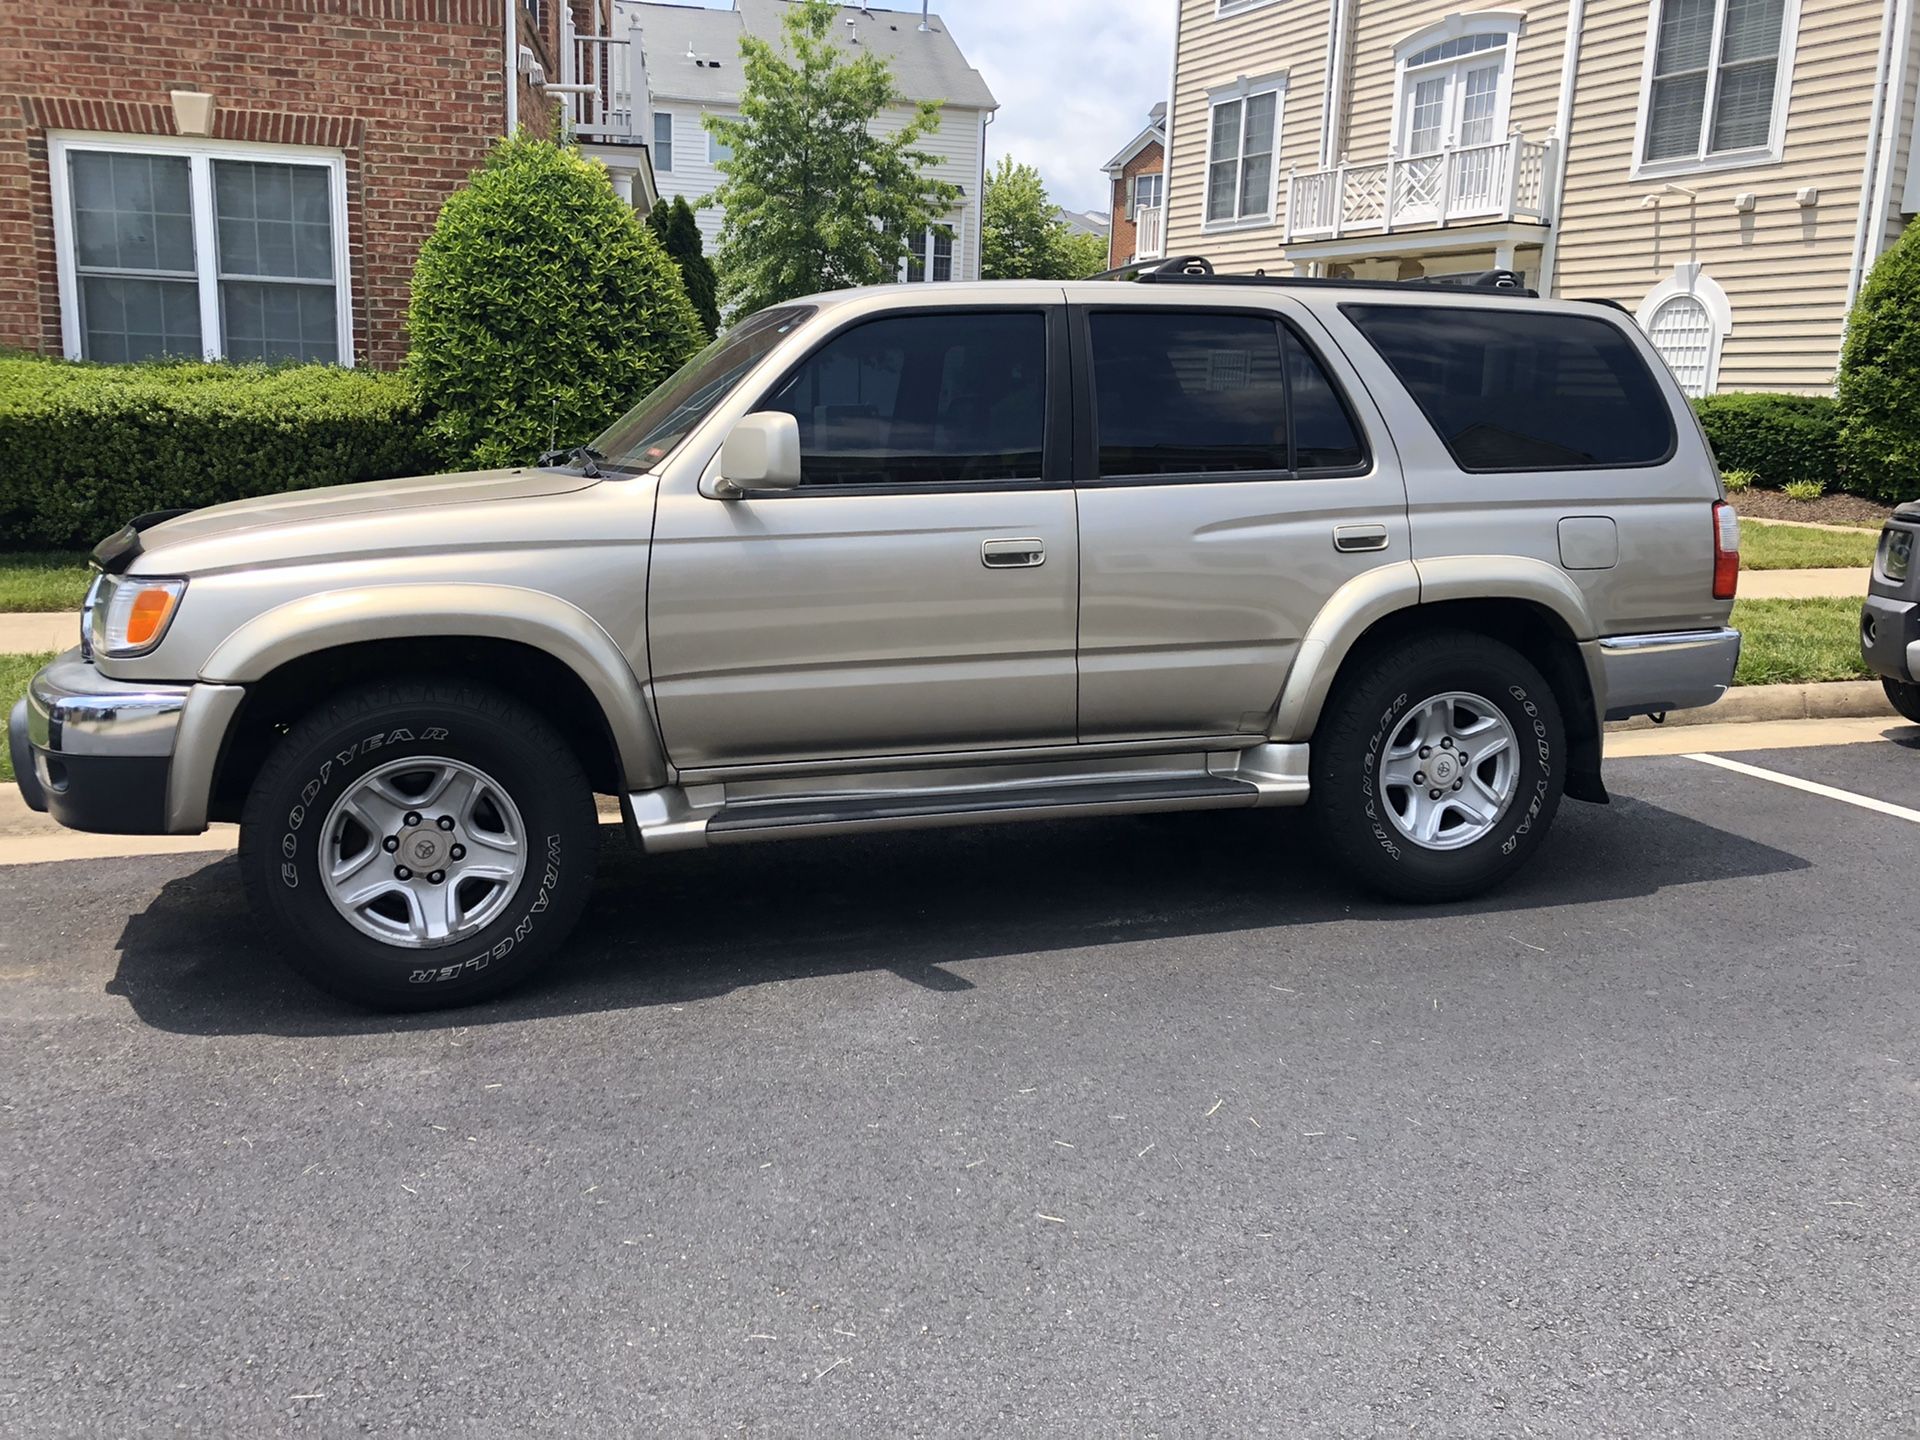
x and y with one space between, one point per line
777 808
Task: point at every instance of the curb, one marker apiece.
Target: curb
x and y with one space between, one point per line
1752 704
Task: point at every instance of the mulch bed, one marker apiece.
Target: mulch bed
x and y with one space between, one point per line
1827 510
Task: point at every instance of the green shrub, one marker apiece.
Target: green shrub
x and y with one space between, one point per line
1775 438
1737 481
542 307
83 448
676 229
1804 489
1878 389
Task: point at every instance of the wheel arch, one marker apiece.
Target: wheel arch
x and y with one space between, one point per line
536 646
1526 604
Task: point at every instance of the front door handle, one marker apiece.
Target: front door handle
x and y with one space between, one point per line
1358 539
1012 554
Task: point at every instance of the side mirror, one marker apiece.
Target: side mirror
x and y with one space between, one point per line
762 452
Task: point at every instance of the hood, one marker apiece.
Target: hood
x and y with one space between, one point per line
337 502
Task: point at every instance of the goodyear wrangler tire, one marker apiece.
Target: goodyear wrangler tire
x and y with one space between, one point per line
1394 796
420 845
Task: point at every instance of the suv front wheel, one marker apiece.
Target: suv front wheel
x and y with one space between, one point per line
1437 768
420 844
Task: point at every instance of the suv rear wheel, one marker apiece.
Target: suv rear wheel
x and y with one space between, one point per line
1438 767
420 845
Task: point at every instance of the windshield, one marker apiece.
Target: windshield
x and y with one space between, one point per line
647 434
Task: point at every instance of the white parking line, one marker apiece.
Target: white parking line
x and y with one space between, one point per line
1794 782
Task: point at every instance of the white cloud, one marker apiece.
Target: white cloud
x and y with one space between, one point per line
1074 78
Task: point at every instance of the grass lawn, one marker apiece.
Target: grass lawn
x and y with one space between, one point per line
15 671
1796 547
1798 640
42 580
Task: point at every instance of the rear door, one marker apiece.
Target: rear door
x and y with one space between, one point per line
917 592
1231 479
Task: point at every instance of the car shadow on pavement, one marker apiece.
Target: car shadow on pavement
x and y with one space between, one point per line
679 928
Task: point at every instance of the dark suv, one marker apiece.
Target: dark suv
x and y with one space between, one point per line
1890 623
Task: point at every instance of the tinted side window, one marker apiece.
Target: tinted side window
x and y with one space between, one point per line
1324 437
1183 394
923 400
1523 391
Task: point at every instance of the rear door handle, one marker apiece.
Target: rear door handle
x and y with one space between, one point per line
1012 554
1356 539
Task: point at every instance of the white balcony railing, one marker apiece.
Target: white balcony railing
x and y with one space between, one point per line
1148 232
1509 179
601 76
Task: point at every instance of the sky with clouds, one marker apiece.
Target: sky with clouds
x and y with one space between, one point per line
1074 78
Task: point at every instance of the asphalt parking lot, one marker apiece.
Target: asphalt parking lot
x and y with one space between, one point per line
1145 1127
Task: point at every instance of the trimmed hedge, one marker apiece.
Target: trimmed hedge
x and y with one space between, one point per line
83 448
1779 438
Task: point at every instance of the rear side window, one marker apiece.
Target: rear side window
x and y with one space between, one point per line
1513 390
1196 393
933 399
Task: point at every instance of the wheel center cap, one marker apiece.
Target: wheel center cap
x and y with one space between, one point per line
424 849
1443 769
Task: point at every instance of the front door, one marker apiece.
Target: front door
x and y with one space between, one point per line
1226 491
917 592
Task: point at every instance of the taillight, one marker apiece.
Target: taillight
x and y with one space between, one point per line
1726 551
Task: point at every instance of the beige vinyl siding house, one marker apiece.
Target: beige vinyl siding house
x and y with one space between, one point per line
1725 169
1277 49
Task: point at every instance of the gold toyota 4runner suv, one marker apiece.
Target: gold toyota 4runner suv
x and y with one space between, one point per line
925 555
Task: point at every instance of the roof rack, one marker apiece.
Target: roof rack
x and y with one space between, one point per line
1198 270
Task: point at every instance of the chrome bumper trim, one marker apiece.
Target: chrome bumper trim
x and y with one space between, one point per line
72 709
1673 670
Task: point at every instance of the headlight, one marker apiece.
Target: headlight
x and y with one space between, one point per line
1896 554
131 613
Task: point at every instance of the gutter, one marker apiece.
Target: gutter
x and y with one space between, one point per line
1563 134
1870 224
511 32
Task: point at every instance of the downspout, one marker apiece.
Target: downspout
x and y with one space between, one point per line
1333 122
1563 142
1869 225
512 42
980 196
1166 143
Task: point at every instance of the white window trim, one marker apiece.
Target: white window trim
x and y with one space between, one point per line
1511 23
1225 8
1705 161
1689 278
200 154
1241 88
673 141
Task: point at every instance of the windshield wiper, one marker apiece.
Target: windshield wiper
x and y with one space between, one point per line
581 455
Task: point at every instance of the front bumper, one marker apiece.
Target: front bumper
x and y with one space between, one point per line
1681 670
1890 637
118 757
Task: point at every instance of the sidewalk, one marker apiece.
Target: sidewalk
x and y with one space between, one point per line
32 633
1804 584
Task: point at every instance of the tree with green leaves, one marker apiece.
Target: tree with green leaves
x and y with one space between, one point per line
1878 388
680 233
813 198
1022 236
542 307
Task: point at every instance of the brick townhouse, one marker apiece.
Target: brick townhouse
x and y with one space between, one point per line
253 178
1138 176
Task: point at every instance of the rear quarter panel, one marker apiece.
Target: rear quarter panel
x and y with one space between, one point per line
1663 577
